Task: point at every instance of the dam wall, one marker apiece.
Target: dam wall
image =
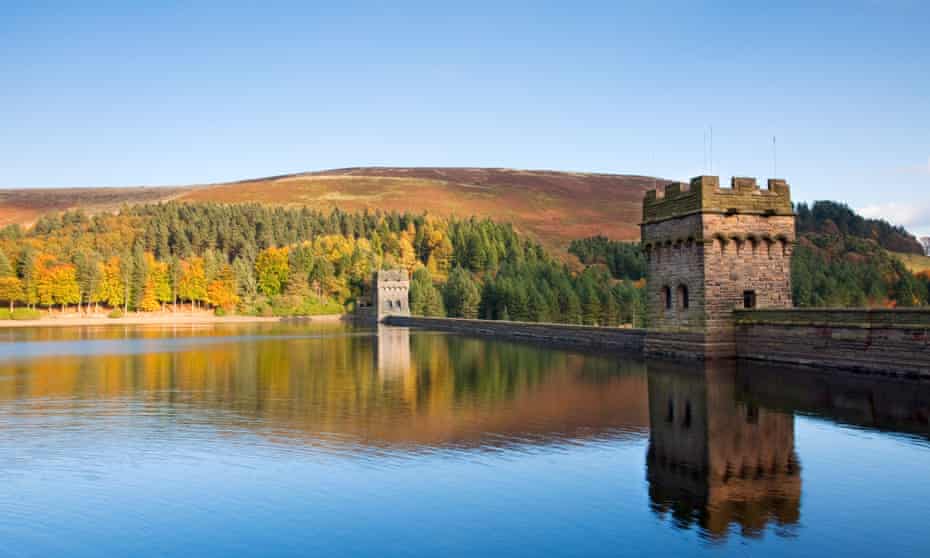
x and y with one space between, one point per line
622 339
893 342
880 341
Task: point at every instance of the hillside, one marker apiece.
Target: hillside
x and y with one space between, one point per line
915 262
551 207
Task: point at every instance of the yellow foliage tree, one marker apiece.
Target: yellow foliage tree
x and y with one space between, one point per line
221 292
110 290
11 289
271 270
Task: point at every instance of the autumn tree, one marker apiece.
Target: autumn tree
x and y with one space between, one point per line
11 290
221 292
110 289
271 270
193 283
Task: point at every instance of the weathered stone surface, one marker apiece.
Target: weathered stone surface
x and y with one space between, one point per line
630 340
705 247
391 288
704 195
895 342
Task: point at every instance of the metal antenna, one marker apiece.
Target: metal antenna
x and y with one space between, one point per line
774 158
704 152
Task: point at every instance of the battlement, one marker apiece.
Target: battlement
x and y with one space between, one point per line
385 275
704 195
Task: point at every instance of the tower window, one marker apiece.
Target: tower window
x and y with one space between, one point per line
667 297
683 300
749 299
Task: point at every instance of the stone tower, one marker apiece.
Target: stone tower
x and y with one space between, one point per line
710 250
391 293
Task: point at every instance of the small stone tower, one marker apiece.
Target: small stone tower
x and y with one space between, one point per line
391 293
710 250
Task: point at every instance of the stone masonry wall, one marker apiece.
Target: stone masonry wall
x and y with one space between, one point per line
710 246
391 293
895 342
675 260
746 253
627 340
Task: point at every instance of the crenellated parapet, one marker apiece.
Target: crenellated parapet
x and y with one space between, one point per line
704 195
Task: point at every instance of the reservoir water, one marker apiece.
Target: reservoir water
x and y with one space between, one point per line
331 440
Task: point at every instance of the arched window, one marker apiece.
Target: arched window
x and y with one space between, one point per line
667 297
683 300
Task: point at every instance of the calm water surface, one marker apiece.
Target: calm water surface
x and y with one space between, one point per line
326 440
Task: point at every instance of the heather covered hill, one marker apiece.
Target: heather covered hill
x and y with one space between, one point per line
25 206
551 207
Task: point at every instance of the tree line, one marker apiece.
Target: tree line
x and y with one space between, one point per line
837 219
256 259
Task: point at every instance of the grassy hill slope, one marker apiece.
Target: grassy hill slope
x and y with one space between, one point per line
915 262
551 207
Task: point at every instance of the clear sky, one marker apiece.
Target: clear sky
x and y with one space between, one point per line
121 93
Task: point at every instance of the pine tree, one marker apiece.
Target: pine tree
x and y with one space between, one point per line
26 271
461 295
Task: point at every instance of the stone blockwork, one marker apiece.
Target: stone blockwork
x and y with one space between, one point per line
710 250
628 340
391 288
895 342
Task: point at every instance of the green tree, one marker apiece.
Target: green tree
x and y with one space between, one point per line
425 298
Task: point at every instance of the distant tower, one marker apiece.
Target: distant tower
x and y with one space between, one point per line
391 293
710 250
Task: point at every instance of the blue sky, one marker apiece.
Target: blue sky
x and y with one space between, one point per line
120 93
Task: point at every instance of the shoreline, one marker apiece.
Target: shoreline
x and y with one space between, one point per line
167 319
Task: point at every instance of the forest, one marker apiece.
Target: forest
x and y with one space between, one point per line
272 261
838 220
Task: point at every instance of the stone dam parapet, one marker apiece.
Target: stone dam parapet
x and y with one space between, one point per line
622 339
882 341
887 342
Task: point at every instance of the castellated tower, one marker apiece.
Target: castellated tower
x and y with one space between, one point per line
710 250
391 293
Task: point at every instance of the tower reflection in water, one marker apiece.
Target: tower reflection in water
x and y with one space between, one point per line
715 461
